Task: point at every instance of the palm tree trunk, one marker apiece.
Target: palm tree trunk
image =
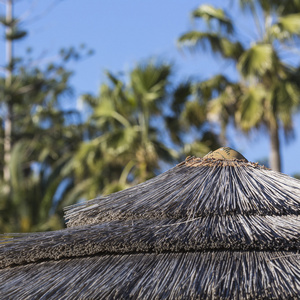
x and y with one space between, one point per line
7 144
275 158
9 108
223 138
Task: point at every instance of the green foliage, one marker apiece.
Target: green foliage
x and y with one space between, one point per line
29 206
288 25
136 126
42 143
258 60
124 144
39 137
211 14
297 176
219 44
187 124
267 92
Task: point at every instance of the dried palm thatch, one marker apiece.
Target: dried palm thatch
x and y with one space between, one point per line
214 227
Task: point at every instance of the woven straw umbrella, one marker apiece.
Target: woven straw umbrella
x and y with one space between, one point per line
217 227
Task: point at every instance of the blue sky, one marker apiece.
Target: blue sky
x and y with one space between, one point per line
124 33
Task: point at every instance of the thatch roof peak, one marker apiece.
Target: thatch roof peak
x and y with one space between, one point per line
225 153
224 156
194 188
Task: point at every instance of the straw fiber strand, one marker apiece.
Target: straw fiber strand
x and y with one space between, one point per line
205 233
192 190
207 275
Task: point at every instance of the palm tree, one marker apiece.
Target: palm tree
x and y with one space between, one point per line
39 190
267 92
124 143
187 123
37 136
43 139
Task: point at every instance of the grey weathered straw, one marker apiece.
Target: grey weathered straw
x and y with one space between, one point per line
214 227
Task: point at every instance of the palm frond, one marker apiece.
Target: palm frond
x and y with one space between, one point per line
197 148
249 113
257 60
286 27
194 113
210 13
207 89
213 41
149 80
180 96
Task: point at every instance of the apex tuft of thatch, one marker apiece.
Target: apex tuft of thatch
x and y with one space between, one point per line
213 227
225 153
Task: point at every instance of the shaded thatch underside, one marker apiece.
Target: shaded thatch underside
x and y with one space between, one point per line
198 187
223 275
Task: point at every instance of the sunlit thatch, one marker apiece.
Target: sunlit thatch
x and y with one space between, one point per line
217 227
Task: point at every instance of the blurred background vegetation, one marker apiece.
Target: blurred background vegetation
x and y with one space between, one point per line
142 123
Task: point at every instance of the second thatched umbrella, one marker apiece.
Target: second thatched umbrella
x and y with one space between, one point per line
214 227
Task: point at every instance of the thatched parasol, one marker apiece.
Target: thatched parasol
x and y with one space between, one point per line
217 227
